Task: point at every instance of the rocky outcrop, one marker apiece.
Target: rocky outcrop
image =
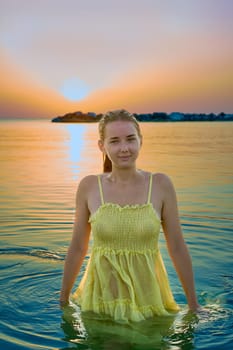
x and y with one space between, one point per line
78 117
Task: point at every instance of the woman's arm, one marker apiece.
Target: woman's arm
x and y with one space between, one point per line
175 242
79 243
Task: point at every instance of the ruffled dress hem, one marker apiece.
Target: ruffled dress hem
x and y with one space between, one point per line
124 311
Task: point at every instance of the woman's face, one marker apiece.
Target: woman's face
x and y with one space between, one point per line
121 143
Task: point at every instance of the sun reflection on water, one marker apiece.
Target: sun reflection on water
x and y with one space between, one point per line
75 145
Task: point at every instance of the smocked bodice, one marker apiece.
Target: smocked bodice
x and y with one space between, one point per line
132 227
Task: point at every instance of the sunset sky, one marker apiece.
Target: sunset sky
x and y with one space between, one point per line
143 55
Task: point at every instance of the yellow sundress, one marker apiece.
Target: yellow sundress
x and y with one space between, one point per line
125 278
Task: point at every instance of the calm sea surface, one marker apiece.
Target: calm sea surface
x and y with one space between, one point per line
41 165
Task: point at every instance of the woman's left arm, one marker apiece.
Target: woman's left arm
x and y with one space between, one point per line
177 247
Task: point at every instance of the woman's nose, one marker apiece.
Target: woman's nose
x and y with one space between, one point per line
124 147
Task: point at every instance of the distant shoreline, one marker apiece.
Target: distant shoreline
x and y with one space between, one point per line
91 117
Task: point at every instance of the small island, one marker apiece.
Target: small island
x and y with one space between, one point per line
91 117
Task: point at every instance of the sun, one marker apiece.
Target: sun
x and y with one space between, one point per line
74 89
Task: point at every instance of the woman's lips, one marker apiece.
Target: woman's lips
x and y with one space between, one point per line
124 157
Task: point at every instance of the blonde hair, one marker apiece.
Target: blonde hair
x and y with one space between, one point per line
112 116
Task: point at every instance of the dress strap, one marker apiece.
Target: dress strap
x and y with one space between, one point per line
150 188
100 189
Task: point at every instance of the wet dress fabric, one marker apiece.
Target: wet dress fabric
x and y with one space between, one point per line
125 278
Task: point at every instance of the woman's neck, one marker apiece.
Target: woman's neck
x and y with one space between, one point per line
124 176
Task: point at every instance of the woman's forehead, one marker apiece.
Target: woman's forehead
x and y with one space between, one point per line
120 128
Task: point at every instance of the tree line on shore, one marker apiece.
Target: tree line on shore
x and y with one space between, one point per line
80 117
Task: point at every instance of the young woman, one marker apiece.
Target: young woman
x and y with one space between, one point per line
125 207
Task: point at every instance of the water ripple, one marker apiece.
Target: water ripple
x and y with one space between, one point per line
36 252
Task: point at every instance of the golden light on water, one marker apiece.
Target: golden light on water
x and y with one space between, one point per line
75 144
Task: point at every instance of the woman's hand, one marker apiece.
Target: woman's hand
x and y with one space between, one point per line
195 308
63 302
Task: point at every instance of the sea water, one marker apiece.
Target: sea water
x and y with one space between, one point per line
41 166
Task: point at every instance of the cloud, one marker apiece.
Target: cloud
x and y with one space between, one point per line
186 86
179 86
22 96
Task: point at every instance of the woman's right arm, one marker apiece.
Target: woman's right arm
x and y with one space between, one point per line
79 243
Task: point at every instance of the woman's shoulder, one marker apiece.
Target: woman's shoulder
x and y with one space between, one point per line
88 181
86 185
161 177
162 180
158 178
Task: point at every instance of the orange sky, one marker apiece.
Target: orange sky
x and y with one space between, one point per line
141 55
